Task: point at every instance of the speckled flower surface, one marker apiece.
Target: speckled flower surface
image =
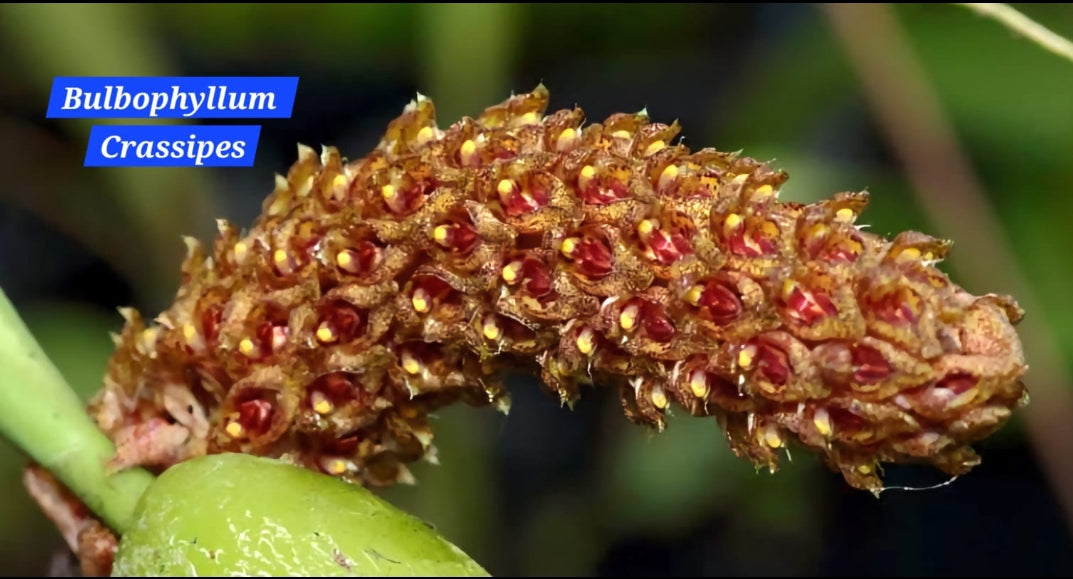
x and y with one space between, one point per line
371 292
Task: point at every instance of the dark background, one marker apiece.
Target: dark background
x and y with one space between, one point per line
547 491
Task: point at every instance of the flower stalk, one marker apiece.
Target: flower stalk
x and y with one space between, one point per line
44 417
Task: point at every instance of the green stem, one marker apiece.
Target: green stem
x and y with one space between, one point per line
44 417
1025 26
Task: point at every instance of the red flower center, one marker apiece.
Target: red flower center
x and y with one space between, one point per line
807 306
598 188
718 303
340 322
456 236
519 199
870 365
665 246
592 257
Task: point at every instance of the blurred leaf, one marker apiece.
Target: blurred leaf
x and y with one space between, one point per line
468 51
356 36
803 62
669 479
27 538
984 73
564 30
159 204
75 337
687 473
457 495
560 539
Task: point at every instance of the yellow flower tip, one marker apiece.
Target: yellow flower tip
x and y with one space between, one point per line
745 357
149 336
659 398
694 294
511 271
278 206
569 246
337 466
865 468
410 364
325 334
340 181
764 191
845 214
425 135
283 261
189 333
441 234
420 300
505 187
647 226
909 254
621 134
668 176
654 147
772 437
732 221
344 259
247 347
588 172
467 151
628 318
529 118
586 341
240 251
818 231
822 421
698 383
788 286
321 404
234 429
566 140
388 192
490 328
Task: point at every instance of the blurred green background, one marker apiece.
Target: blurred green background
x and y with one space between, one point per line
546 491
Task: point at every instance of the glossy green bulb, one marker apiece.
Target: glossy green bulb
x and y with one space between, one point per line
233 514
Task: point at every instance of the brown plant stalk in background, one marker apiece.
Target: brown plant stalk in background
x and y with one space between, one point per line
910 113
369 293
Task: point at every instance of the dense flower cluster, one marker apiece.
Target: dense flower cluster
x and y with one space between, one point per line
372 292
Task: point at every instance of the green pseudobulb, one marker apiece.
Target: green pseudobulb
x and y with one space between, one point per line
234 514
